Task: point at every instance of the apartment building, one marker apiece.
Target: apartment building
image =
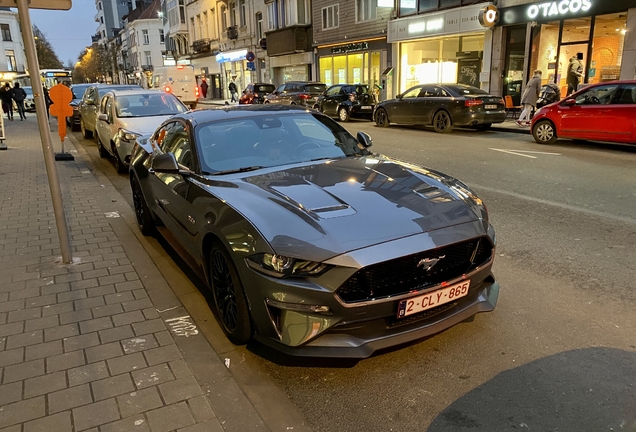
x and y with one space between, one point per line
11 46
109 18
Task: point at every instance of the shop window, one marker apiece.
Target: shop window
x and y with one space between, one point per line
545 43
607 47
427 5
576 30
340 69
330 17
326 70
355 66
444 4
366 10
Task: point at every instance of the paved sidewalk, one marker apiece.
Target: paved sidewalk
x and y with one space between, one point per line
91 346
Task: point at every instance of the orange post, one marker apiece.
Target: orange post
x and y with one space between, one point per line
61 96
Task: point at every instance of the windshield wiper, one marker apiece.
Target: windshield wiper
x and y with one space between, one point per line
238 170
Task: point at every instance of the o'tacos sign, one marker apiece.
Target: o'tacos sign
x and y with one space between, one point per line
542 11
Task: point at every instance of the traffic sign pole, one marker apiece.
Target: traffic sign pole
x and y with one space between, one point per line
45 132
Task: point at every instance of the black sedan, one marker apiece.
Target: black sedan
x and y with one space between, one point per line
309 242
78 92
346 101
442 106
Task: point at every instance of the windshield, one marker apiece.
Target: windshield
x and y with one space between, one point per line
264 88
315 88
462 90
148 105
28 91
101 91
266 141
79 90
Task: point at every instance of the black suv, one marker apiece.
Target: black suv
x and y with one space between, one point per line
346 101
303 93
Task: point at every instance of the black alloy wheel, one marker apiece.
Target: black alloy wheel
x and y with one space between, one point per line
442 122
544 132
381 118
85 132
142 212
229 297
119 164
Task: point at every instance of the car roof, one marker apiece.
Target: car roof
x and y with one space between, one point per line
305 82
229 112
130 92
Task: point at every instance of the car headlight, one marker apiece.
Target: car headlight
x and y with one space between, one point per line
128 136
283 266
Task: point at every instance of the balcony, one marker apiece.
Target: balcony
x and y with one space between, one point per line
201 45
232 32
289 40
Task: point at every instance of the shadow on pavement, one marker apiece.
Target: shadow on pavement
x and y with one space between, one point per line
591 389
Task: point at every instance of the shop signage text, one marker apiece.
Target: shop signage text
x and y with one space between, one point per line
360 46
231 56
488 16
557 9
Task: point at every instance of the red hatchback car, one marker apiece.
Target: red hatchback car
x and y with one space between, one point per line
599 112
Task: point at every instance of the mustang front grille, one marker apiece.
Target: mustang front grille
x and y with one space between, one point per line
415 272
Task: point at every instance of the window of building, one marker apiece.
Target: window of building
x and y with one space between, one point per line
223 18
148 56
214 24
243 13
146 37
182 13
11 64
271 16
104 34
131 38
101 19
206 27
366 10
330 17
303 10
259 26
200 24
99 5
162 37
193 31
6 32
233 13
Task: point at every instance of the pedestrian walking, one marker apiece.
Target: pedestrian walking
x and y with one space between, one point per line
574 73
233 91
6 95
530 97
47 100
19 95
204 88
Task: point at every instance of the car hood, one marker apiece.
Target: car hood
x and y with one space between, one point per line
319 210
142 125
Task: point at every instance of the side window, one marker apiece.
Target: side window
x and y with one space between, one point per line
102 107
108 103
600 95
627 95
334 90
177 142
159 137
413 93
280 88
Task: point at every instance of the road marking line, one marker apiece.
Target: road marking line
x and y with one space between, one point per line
538 152
513 153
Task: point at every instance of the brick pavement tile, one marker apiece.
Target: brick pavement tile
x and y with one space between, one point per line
57 309
136 423
44 300
106 264
80 342
180 369
170 417
104 352
113 279
112 386
83 284
129 286
132 276
46 349
25 314
75 316
180 389
24 339
41 323
128 318
44 384
126 363
53 423
54 271
26 276
115 334
12 305
23 411
163 354
139 343
139 401
10 357
95 273
209 426
164 338
151 376
121 269
10 393
140 294
120 297
11 329
23 370
54 288
88 373
150 326
71 295
89 303
25 293
151 313
65 361
38 283
70 398
201 409
96 325
95 414
61 332
137 304
100 291
71 277
113 309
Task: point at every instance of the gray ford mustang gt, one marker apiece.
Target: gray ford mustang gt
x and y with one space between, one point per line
309 242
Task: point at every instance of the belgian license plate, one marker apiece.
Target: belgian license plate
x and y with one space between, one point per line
433 299
366 107
491 107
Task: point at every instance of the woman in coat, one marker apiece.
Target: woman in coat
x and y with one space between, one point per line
530 97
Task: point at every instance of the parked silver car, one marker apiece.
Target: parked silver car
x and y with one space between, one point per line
124 115
89 104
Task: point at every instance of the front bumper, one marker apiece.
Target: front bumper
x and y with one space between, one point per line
124 149
473 118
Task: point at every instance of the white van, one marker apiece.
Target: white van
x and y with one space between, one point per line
179 80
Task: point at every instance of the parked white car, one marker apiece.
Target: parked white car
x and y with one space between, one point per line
124 115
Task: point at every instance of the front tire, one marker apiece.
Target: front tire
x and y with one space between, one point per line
142 212
544 132
343 114
229 297
119 164
85 132
442 122
382 118
100 148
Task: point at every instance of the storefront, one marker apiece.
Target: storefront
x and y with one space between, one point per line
573 42
442 47
208 68
234 66
293 67
359 62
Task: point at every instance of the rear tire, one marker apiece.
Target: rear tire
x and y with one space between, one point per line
442 122
381 118
85 132
343 115
119 164
544 132
229 296
144 218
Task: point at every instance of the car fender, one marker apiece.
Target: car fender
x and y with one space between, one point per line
345 105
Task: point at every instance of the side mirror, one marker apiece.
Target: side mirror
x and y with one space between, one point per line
165 163
89 102
569 102
399 96
103 117
364 139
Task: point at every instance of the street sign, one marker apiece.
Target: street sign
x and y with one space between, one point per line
251 66
41 4
250 56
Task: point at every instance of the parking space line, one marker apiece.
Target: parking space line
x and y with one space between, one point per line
513 153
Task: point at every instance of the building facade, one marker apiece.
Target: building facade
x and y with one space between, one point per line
146 43
11 46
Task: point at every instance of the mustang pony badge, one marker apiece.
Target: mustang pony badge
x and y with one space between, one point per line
428 263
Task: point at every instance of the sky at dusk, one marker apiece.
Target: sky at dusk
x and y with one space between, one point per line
69 32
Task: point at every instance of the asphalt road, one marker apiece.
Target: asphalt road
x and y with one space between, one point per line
558 353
